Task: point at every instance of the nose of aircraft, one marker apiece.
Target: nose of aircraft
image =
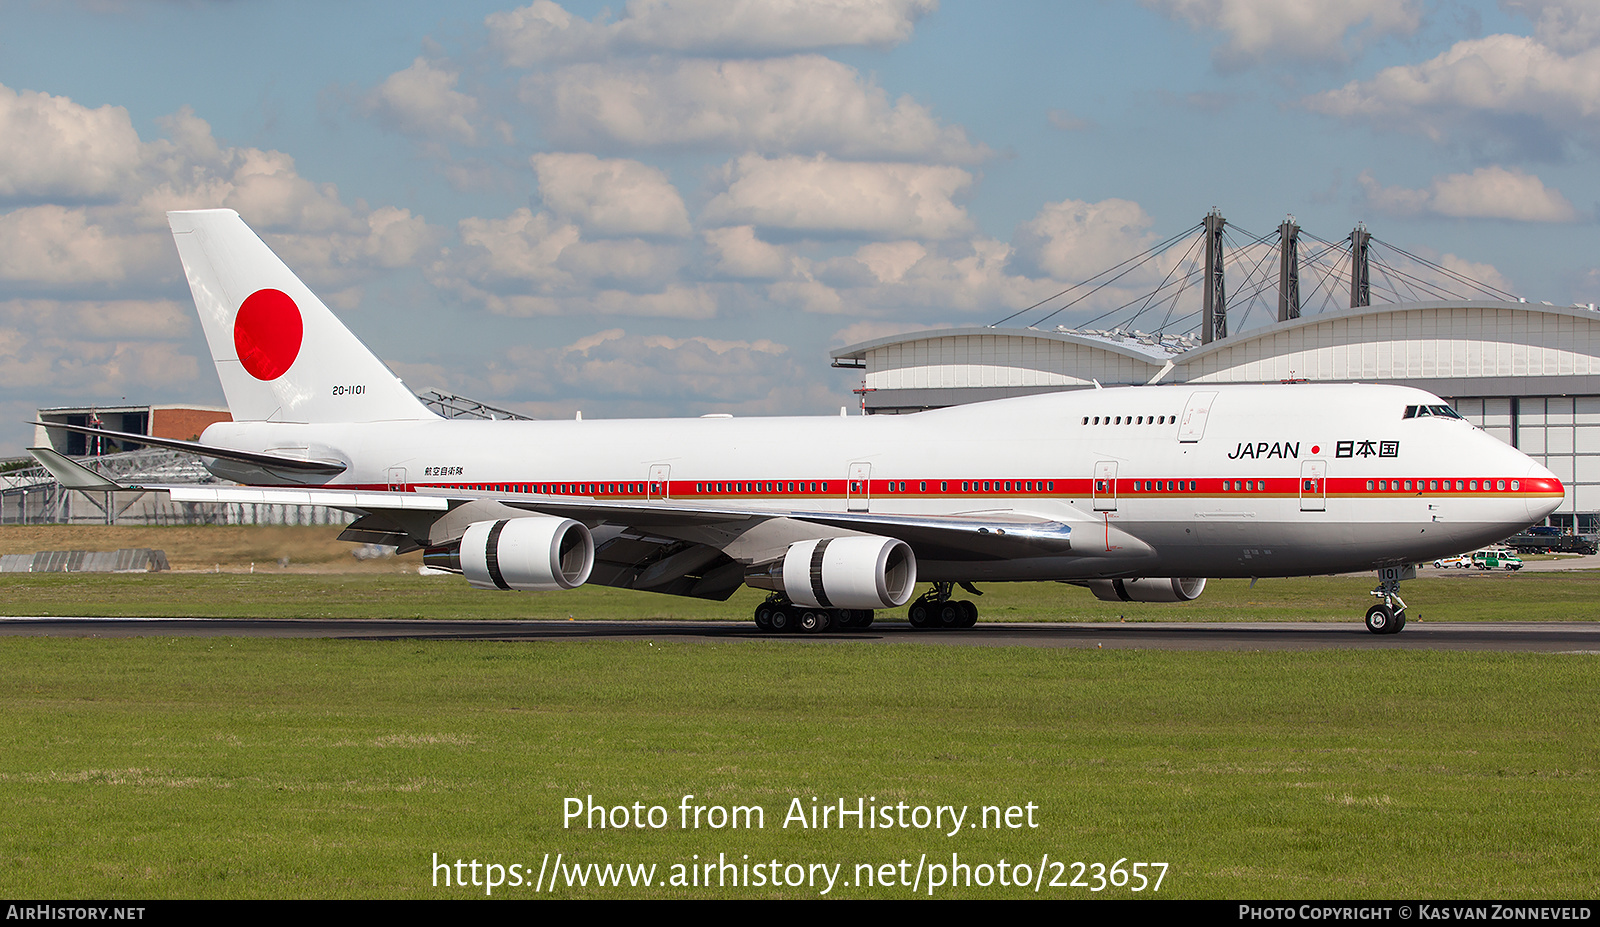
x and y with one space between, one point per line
1543 503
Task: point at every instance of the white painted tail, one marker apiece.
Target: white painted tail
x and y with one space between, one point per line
281 354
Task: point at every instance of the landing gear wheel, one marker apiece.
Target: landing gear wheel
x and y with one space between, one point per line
951 615
781 620
813 621
971 611
764 617
1380 620
863 619
920 614
1399 622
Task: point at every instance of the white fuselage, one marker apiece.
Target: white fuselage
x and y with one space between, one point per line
1188 480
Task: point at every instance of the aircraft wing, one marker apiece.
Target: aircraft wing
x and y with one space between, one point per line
661 546
403 518
974 536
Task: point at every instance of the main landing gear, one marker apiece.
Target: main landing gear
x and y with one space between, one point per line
777 615
1388 616
933 610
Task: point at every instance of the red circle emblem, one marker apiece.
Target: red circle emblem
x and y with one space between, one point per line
267 333
1315 449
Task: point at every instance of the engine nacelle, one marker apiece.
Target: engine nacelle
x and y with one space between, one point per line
848 572
1147 590
539 553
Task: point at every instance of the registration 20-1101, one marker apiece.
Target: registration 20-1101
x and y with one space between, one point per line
1097 877
345 390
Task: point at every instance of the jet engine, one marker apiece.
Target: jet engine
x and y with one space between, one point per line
847 572
1147 590
538 553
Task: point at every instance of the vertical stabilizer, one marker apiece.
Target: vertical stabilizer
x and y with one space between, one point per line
281 354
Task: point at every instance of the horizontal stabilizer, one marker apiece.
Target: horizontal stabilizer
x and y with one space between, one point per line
70 473
273 461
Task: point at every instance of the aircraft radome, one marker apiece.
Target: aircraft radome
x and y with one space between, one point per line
1137 493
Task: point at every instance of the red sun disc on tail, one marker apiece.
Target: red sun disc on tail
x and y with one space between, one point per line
267 333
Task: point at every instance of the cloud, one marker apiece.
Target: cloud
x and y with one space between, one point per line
1486 193
531 263
871 331
1524 92
99 348
50 147
805 103
422 101
545 31
736 252
611 197
1073 239
1066 122
1318 31
53 248
822 197
616 372
1564 25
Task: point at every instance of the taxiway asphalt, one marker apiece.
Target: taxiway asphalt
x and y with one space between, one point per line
1555 637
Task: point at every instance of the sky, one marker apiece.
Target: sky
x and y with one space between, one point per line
676 207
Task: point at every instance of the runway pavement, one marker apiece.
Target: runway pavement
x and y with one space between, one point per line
1557 637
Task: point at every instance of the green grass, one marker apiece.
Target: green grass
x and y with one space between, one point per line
1558 596
155 768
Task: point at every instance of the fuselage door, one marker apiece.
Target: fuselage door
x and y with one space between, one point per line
859 488
397 479
1105 486
660 480
1192 427
1314 486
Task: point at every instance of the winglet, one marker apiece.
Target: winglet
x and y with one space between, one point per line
70 473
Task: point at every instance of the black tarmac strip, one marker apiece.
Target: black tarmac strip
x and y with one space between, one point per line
1568 637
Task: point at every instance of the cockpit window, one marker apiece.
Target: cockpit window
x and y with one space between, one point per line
1441 411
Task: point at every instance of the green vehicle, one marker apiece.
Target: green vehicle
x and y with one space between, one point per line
1497 558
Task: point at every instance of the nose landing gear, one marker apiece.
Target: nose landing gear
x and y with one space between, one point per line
1388 616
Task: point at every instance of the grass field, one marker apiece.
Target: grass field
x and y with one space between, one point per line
241 768
250 768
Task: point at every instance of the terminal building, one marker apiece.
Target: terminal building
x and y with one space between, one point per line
1527 373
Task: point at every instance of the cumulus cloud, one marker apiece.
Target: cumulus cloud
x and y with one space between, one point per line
1073 239
108 225
1486 193
545 31
871 331
910 278
621 373
735 251
94 348
1328 31
804 103
820 196
50 147
54 248
421 100
612 196
1515 87
1564 25
536 264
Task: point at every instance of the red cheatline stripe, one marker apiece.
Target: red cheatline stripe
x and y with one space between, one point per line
1125 488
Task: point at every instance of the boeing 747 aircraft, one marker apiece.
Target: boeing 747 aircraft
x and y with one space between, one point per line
1137 493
